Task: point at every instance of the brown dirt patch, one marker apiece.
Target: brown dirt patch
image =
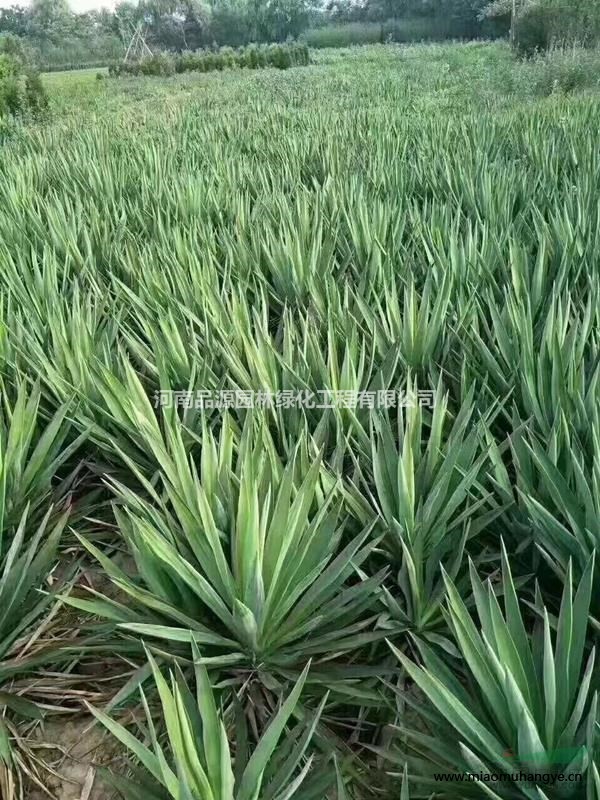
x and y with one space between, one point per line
77 749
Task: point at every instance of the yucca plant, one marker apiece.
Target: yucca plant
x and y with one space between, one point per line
417 325
542 358
529 703
392 212
197 762
296 352
558 485
26 599
425 482
249 558
31 458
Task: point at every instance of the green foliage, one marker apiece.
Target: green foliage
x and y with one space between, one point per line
31 457
268 585
398 29
428 492
25 566
542 24
343 35
252 57
564 70
198 758
21 90
391 219
534 29
160 64
31 528
52 35
61 39
530 703
15 47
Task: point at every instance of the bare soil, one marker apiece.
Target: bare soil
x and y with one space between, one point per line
79 749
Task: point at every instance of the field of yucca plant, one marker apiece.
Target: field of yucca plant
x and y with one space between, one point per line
286 601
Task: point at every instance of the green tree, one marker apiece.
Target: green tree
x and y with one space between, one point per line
536 24
283 18
50 20
14 20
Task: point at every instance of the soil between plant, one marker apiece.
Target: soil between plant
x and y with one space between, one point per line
78 750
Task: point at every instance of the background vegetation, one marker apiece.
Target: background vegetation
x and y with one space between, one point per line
58 38
282 56
21 90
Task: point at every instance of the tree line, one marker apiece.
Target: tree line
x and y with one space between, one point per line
53 34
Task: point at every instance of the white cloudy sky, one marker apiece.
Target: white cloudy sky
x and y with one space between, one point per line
76 5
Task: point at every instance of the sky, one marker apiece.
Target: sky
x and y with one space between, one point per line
76 5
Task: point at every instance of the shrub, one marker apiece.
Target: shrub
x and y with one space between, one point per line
563 70
262 56
13 46
530 702
280 57
159 64
533 30
301 54
34 91
185 62
302 574
252 56
21 89
540 24
228 55
205 762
